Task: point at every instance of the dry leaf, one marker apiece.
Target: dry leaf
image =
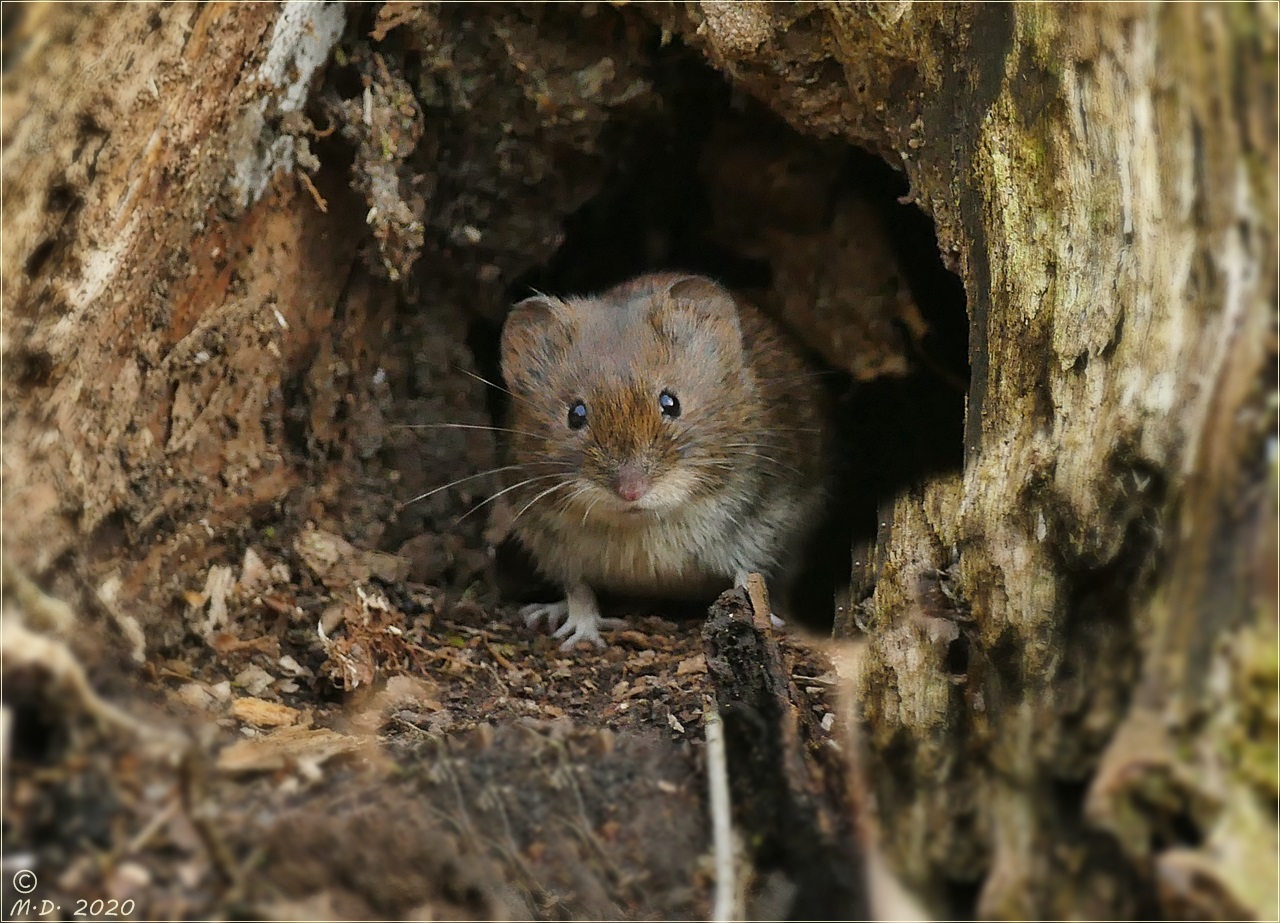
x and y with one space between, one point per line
217 587
196 695
339 563
254 680
410 690
254 576
323 552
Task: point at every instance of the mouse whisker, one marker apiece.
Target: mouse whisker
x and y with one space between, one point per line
764 447
485 381
723 464
525 508
771 460
469 477
590 507
490 429
492 497
565 501
794 429
577 493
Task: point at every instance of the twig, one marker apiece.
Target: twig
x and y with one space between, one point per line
162 817
44 612
201 814
20 645
315 193
721 824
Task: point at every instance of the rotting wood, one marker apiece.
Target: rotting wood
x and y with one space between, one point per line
791 794
1103 179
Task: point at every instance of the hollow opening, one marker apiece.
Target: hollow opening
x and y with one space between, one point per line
960 898
694 177
816 233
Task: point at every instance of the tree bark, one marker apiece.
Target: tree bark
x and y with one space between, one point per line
1069 690
1072 638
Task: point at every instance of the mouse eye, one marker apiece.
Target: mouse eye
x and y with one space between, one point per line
670 405
577 415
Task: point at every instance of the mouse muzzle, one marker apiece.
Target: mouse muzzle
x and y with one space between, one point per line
631 482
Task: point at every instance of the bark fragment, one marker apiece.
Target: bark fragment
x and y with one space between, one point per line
790 792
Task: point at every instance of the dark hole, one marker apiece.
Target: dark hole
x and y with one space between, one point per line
960 898
958 656
109 535
34 368
656 211
483 340
1184 831
1069 795
1005 658
37 258
38 733
346 82
297 415
61 198
87 126
653 211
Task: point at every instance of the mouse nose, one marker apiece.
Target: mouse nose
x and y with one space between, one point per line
631 483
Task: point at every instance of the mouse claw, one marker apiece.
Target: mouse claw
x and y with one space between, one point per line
579 627
577 615
554 613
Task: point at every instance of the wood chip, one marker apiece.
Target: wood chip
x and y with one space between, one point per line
263 714
285 747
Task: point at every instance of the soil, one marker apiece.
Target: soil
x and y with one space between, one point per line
425 753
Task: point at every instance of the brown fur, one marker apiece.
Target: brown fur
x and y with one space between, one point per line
737 478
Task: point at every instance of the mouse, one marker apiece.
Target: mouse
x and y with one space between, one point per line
664 439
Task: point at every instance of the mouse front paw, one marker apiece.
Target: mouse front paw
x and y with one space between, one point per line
580 626
554 613
578 618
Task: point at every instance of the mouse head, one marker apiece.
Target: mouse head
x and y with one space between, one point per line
631 395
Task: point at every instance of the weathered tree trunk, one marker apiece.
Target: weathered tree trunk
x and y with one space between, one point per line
1070 690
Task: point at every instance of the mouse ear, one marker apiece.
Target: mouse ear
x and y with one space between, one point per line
529 338
696 307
